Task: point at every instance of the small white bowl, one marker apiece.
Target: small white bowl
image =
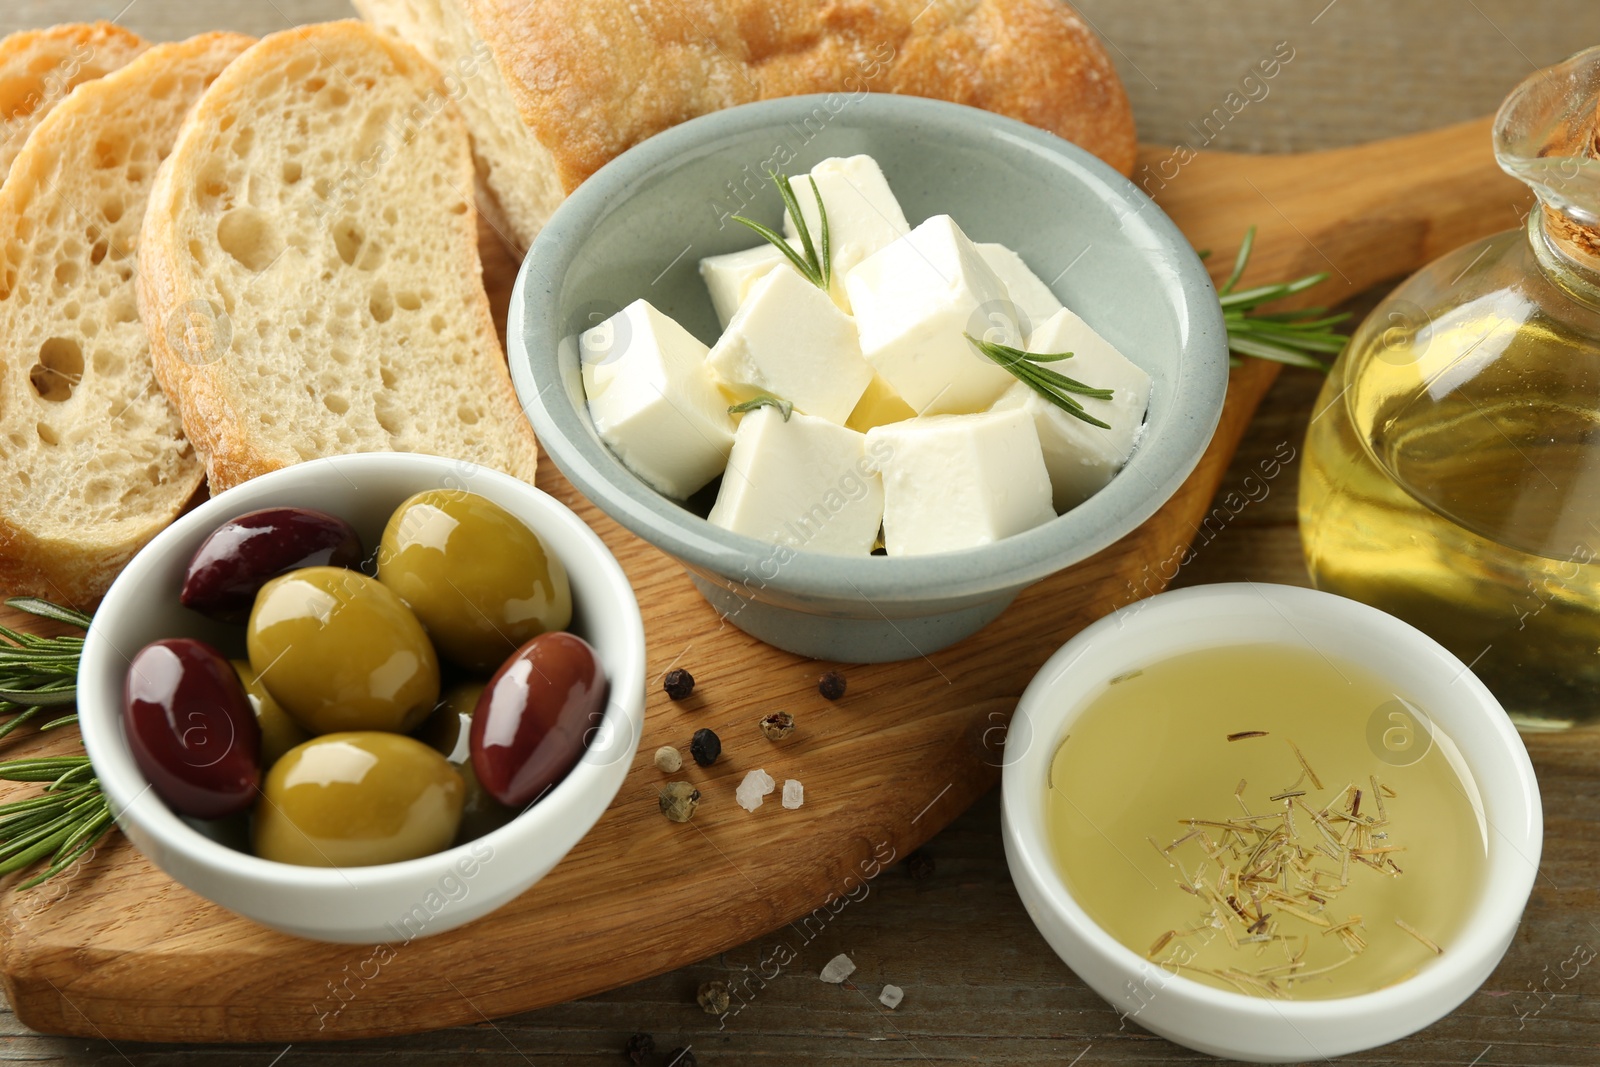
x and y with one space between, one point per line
393 902
1217 1021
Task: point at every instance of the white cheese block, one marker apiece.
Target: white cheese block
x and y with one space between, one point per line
863 215
1032 297
914 302
653 401
957 481
1081 457
789 340
805 483
730 277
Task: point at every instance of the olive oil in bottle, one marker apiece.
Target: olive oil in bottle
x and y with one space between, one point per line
1256 832
1452 467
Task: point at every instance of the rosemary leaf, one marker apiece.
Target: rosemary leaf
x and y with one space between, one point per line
40 698
1053 386
777 241
46 610
784 407
1291 337
815 268
1071 385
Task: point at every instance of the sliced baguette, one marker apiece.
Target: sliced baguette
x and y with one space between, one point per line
38 68
94 459
553 91
309 267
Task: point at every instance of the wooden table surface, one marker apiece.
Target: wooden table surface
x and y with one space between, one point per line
980 984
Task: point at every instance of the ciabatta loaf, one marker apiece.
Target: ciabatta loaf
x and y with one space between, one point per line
38 68
554 90
93 462
309 267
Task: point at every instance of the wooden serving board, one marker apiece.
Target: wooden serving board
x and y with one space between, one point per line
117 950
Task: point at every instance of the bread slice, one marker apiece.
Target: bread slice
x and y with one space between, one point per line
93 457
309 267
38 68
552 91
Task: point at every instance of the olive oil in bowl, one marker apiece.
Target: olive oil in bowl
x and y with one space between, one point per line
1271 822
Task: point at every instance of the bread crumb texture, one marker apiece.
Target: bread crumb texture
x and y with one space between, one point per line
310 272
94 456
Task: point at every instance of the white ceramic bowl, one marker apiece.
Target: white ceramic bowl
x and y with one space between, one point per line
393 902
1232 1024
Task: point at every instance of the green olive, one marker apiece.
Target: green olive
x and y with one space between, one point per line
279 733
355 799
479 579
340 651
446 731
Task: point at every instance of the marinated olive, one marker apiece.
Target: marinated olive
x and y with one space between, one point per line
279 733
355 799
191 729
447 731
480 580
339 651
533 719
245 553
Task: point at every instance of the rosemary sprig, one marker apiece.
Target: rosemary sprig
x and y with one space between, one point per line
65 820
1052 385
784 407
1289 337
817 264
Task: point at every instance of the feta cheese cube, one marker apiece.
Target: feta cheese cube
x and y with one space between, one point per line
1082 458
789 340
653 401
805 482
730 277
1032 297
914 302
956 481
879 406
863 215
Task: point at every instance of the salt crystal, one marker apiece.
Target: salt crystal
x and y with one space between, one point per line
794 794
891 996
757 784
837 969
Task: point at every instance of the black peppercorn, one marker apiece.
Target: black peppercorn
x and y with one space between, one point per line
919 865
831 685
681 1057
639 1048
705 747
678 683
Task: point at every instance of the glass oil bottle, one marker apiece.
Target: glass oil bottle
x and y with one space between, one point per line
1452 471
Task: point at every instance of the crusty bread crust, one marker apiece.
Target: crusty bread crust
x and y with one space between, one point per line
221 397
94 459
38 68
592 79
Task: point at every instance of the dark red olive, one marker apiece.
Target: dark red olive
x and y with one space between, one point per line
247 552
191 728
534 717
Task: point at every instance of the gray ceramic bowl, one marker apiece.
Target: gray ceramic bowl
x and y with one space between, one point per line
639 227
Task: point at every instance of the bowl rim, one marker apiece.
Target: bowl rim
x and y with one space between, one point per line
1162 464
130 796
1514 847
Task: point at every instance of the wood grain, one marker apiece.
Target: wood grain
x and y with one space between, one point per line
128 954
